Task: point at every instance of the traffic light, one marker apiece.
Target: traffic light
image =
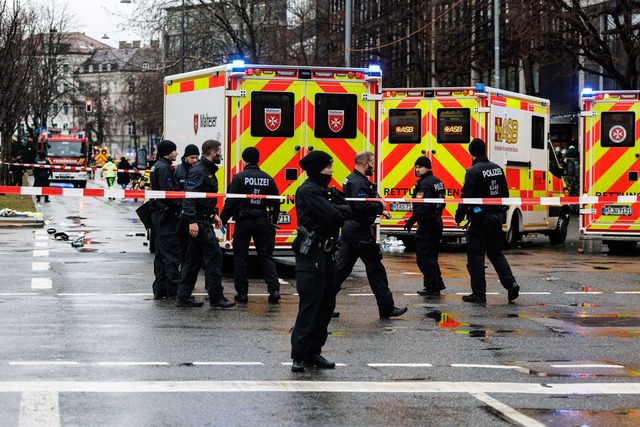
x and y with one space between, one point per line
88 105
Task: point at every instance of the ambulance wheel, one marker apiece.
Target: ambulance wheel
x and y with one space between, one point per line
559 235
621 247
513 236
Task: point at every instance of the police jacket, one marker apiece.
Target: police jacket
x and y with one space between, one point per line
41 173
201 178
163 178
356 185
483 179
181 173
318 210
428 186
251 180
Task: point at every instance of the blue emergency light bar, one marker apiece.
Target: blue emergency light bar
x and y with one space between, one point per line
480 87
237 65
375 70
587 92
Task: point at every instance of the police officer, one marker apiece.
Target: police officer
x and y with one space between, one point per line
201 215
41 175
190 158
358 240
255 218
320 213
429 219
165 224
485 179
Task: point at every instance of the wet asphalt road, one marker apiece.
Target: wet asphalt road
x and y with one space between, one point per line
83 343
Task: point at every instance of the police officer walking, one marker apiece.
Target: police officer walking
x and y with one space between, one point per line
190 158
485 179
429 232
254 218
201 215
41 175
358 240
165 224
320 216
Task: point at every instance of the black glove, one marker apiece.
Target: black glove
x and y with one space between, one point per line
408 225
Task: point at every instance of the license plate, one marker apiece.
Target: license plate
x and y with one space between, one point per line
64 176
399 206
284 219
617 210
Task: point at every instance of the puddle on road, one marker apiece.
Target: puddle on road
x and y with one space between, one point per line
568 417
87 250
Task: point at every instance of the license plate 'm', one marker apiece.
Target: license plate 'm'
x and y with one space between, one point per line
284 219
399 206
617 210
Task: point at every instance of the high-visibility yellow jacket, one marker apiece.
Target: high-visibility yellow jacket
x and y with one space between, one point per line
109 170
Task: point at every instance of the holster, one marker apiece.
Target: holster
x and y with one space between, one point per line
306 239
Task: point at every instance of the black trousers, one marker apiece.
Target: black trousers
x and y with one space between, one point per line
167 257
485 236
369 252
316 285
200 250
264 240
427 241
41 182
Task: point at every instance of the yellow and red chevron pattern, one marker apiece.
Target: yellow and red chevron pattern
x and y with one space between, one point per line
610 162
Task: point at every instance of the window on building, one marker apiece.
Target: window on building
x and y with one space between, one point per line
108 67
145 66
131 128
131 86
91 68
65 109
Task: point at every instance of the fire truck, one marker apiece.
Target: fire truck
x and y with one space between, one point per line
283 111
65 149
610 164
440 122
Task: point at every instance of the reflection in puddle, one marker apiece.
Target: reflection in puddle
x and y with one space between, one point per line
567 417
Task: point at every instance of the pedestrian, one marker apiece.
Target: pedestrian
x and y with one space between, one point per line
485 179
41 175
320 213
358 239
17 171
572 178
190 158
428 216
165 224
109 171
255 218
201 216
124 177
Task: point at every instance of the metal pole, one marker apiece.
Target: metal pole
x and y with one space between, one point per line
347 33
182 39
496 43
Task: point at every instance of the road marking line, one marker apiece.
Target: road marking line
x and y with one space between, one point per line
360 295
40 232
626 292
133 363
409 365
507 411
582 292
40 266
41 244
535 293
41 253
63 294
226 363
410 273
472 365
291 363
41 237
589 365
39 409
580 388
17 294
43 363
41 283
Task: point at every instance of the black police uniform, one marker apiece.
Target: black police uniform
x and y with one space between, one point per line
253 220
429 232
358 240
205 247
318 211
41 176
485 179
165 226
183 232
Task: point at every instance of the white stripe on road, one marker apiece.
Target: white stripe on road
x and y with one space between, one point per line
41 283
580 388
133 363
41 237
589 365
16 294
360 295
472 365
42 363
41 253
226 363
626 292
507 411
408 365
41 244
40 266
39 409
582 293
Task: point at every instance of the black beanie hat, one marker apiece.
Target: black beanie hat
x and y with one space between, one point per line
191 150
423 161
477 147
315 162
251 155
166 147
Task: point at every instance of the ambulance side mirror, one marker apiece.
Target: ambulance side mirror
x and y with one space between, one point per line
141 159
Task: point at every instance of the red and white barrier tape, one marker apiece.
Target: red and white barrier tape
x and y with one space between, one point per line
69 168
150 194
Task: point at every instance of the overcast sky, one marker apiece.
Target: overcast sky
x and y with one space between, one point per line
96 18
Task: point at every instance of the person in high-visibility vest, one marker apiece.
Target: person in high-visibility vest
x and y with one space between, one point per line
109 172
